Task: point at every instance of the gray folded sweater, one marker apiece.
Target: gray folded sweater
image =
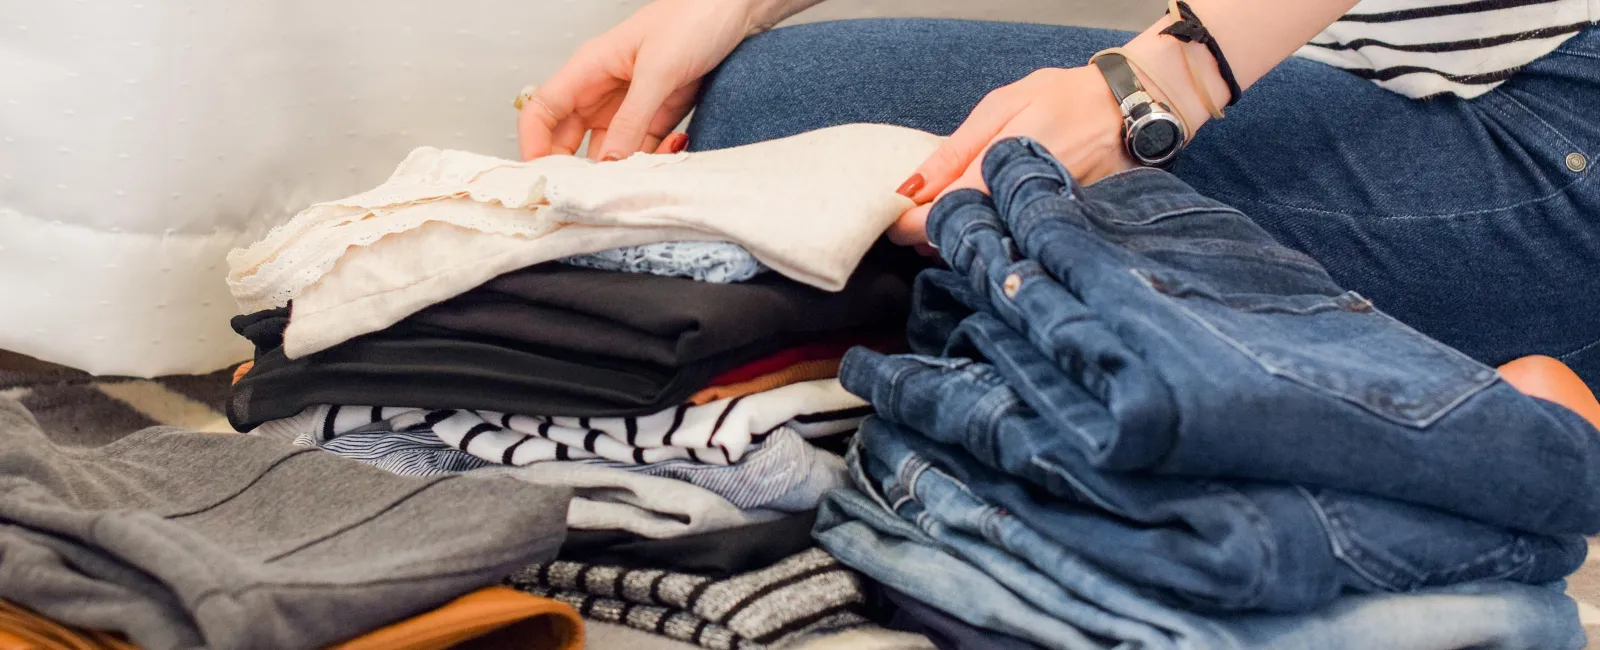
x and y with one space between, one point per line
187 540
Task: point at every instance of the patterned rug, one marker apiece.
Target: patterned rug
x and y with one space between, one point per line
81 409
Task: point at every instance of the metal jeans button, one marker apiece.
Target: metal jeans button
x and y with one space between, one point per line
1576 162
1012 284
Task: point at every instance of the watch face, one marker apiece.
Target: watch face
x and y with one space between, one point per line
1155 139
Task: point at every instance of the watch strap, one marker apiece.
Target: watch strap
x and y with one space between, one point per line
1119 75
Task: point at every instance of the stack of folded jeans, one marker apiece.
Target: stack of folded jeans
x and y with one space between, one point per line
1132 418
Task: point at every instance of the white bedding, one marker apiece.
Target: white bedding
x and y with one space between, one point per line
141 140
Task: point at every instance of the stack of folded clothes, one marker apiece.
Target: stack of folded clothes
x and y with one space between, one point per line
661 335
1132 419
168 539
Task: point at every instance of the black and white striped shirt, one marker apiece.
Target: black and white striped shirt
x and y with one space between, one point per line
1420 48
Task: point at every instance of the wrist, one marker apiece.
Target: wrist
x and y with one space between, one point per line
1169 78
763 15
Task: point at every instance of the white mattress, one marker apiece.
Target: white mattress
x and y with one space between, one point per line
140 141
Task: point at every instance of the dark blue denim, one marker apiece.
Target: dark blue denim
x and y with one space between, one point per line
1459 217
1203 544
1155 329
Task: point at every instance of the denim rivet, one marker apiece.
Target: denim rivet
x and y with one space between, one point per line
1360 305
1012 284
1576 162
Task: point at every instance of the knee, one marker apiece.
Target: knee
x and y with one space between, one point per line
806 77
768 87
1551 380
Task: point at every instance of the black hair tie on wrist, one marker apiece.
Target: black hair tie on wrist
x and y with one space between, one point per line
1189 30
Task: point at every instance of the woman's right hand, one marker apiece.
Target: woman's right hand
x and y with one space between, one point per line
631 85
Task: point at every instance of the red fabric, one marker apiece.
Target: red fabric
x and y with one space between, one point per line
828 349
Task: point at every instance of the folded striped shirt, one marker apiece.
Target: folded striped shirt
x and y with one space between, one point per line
718 433
806 593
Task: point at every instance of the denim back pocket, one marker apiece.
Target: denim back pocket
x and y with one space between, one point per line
1398 547
1339 345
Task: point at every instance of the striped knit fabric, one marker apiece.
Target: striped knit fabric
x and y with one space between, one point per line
805 594
1420 48
718 433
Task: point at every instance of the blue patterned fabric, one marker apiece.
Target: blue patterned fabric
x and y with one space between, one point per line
785 473
707 261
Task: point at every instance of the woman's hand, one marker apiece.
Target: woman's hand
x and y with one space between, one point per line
1070 111
631 85
1073 113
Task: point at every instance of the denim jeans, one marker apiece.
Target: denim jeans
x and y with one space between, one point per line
1460 217
1216 545
941 554
1159 330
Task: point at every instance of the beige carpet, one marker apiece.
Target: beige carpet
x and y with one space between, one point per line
77 408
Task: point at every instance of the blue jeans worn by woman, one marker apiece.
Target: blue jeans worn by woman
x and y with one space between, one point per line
1477 221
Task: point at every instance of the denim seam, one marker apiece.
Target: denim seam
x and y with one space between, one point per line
1578 179
1336 548
1581 350
1256 517
1013 400
1349 551
1502 94
990 513
1505 554
864 484
1475 384
1270 559
911 472
1581 55
1133 171
890 402
964 245
1013 184
1099 448
1275 254
1163 215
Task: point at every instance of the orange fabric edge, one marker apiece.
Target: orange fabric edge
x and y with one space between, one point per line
22 629
803 371
242 370
542 624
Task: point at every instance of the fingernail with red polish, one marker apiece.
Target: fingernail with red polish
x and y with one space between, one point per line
677 142
909 188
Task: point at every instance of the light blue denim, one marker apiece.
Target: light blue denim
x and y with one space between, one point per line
786 473
707 261
943 559
1159 330
1213 545
1459 217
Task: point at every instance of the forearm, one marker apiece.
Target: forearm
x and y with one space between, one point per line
1255 35
764 14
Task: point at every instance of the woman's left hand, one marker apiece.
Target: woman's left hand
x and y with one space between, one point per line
1071 112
